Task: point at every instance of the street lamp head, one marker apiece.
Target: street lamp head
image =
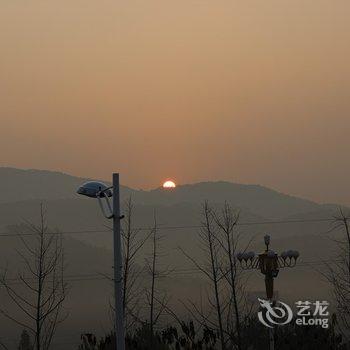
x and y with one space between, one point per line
97 189
296 254
271 254
246 259
251 255
267 241
290 254
94 189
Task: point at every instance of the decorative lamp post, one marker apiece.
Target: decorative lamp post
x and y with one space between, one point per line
269 263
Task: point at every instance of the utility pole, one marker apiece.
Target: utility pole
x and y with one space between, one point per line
98 190
269 263
118 267
270 270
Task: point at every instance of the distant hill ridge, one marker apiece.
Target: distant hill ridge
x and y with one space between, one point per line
18 185
26 184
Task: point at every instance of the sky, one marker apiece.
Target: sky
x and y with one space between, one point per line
248 91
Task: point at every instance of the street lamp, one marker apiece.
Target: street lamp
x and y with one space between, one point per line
269 263
96 189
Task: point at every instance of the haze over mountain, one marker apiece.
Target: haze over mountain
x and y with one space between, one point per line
22 185
18 185
23 191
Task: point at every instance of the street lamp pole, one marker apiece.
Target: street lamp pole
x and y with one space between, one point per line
118 267
269 263
96 189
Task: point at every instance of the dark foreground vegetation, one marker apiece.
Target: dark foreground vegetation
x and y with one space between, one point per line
186 336
255 338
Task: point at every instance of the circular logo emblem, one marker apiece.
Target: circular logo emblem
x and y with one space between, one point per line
278 314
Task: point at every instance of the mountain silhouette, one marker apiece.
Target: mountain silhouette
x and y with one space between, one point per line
22 185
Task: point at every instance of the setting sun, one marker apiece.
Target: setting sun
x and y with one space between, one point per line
169 184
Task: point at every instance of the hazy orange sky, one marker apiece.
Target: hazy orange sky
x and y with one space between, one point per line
249 91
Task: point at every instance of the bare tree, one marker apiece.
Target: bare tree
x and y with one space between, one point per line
156 303
227 222
212 269
133 242
338 271
41 289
